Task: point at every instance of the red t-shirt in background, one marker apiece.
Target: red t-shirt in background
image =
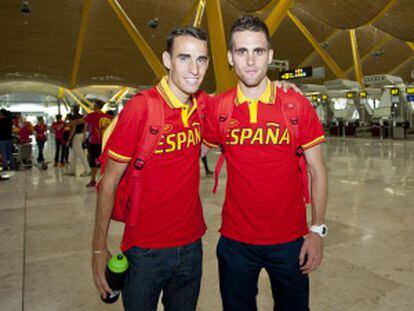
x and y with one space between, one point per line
263 203
24 132
97 122
58 128
40 131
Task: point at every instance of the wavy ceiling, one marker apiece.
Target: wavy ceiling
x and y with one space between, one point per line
41 46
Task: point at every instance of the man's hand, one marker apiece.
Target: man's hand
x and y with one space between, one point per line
312 249
287 85
99 263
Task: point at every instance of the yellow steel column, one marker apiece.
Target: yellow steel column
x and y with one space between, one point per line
121 96
224 78
117 94
61 92
372 50
189 15
139 40
411 45
81 39
199 15
355 55
322 53
85 100
277 14
80 103
327 39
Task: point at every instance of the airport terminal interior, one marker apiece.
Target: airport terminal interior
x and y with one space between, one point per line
353 60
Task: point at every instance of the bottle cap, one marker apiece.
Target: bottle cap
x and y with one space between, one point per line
118 263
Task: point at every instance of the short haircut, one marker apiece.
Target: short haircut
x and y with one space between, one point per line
58 117
249 23
99 103
184 31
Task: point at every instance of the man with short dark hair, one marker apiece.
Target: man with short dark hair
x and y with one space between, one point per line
164 248
264 214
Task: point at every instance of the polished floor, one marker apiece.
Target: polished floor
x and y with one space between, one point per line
46 222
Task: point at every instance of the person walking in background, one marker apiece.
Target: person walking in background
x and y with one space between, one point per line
58 128
41 138
96 121
6 144
76 138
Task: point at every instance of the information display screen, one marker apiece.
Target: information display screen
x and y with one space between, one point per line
395 91
297 73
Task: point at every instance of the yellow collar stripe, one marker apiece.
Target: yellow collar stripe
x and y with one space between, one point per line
174 103
165 91
267 97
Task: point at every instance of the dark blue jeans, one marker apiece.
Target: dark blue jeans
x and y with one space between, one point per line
40 147
6 150
176 272
239 268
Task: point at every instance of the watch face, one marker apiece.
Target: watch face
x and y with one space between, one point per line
324 230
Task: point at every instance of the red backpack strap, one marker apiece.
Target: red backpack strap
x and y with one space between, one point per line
201 98
146 148
291 112
152 130
224 113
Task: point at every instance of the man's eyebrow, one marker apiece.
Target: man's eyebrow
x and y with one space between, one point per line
184 55
240 49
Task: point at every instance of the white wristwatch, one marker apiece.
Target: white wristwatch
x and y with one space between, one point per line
322 230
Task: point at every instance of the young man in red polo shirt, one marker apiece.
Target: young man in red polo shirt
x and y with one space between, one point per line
164 247
264 215
97 122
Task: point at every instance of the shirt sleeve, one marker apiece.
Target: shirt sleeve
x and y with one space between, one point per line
311 132
211 132
88 118
128 130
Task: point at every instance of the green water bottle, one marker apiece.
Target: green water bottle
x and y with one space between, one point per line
115 275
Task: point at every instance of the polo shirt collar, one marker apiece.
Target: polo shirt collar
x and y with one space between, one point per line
168 95
267 97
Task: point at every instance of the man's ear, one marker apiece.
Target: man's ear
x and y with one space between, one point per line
166 60
230 58
271 52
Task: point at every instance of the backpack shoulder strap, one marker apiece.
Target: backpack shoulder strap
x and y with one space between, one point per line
225 110
291 111
201 98
152 129
224 113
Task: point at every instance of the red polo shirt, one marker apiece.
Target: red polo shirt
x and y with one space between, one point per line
170 212
41 132
58 128
264 202
97 121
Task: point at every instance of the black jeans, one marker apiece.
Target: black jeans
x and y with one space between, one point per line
175 271
40 146
59 151
239 268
